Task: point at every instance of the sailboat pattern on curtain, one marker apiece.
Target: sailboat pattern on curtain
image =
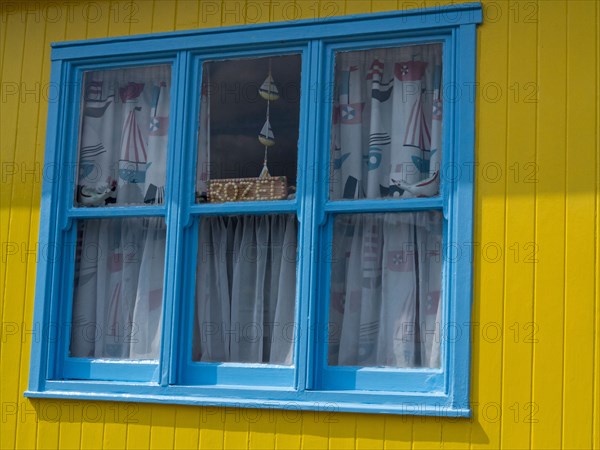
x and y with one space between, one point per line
117 304
386 272
386 134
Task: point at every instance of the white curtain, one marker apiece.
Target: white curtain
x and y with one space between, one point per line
120 262
386 272
246 287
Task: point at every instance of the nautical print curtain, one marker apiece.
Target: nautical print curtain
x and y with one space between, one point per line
386 143
120 262
246 280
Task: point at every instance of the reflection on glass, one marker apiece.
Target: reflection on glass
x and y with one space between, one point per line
123 138
117 299
246 289
248 135
385 288
387 123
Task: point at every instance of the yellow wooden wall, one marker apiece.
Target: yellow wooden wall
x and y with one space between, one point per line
536 335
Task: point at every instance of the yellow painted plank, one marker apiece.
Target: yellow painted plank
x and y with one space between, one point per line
342 431
578 381
328 9
596 395
47 436
187 14
261 427
235 428
370 432
117 416
163 16
209 14
518 258
211 427
97 15
233 12
489 231
121 14
187 420
162 430
279 12
384 5
358 6
315 428
75 23
138 429
456 433
92 424
142 17
547 327
307 9
21 99
426 433
288 428
398 432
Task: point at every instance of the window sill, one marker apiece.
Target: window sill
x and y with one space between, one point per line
324 402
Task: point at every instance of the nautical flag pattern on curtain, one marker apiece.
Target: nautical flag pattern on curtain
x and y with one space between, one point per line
386 143
123 140
386 134
119 269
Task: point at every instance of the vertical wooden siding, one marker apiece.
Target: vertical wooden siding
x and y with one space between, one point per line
536 320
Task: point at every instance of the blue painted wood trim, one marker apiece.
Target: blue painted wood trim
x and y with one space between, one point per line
328 28
432 404
454 25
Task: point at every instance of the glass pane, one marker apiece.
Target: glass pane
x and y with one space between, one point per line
248 136
387 123
123 140
386 274
246 289
117 300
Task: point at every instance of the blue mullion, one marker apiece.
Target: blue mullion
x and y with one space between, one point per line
382 379
186 308
244 208
372 206
175 219
110 370
238 374
112 212
310 127
323 231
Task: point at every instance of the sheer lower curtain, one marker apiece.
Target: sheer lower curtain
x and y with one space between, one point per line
387 270
246 287
119 267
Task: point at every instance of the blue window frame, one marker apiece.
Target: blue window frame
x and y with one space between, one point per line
310 382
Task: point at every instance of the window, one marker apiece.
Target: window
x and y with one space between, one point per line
266 216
